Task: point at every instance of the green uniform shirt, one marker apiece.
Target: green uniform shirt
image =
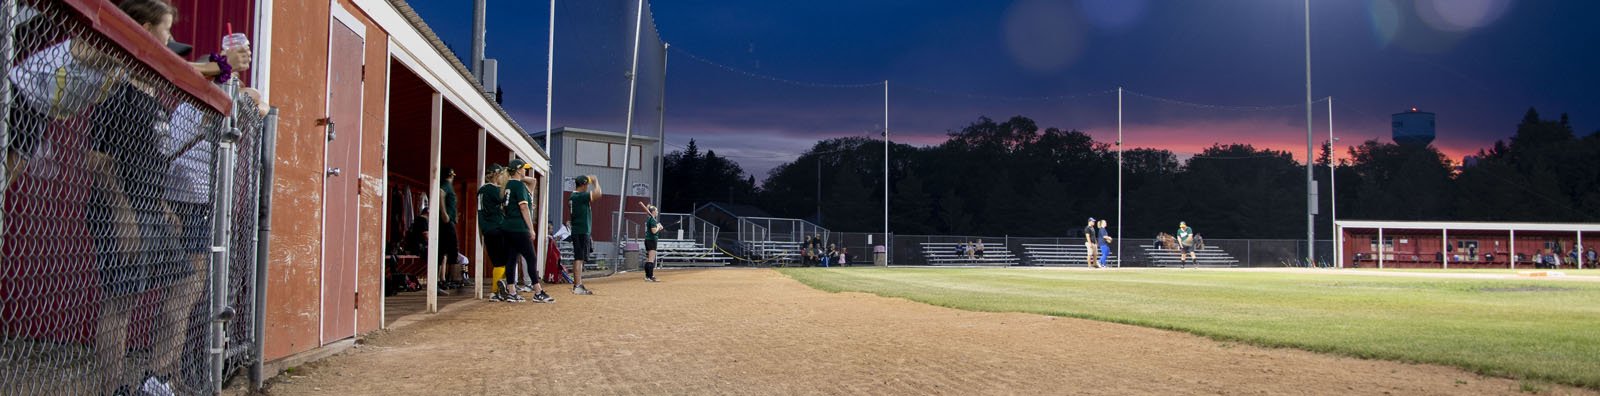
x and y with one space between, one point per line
517 194
650 233
491 208
579 204
449 201
1183 235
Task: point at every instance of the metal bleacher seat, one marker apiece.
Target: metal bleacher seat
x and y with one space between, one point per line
687 253
1209 256
1070 254
944 253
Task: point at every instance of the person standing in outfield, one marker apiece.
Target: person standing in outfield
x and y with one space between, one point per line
587 191
1185 244
1089 244
518 228
491 215
1105 243
652 235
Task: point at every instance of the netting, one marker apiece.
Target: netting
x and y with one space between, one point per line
595 79
109 203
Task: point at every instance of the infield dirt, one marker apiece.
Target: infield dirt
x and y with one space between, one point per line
755 331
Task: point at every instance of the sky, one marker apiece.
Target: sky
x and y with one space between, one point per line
761 81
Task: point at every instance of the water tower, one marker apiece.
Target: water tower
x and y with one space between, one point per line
1413 127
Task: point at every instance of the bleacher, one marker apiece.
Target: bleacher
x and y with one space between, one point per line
773 252
1206 257
944 253
686 253
1068 255
595 256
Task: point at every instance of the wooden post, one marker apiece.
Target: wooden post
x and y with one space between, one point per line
477 237
436 130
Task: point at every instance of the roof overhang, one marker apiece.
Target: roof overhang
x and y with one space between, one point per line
1468 226
413 44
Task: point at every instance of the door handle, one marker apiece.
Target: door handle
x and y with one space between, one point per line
333 172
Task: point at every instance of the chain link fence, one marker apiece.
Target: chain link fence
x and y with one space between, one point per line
117 273
1068 251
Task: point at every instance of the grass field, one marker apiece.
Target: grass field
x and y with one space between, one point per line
1526 329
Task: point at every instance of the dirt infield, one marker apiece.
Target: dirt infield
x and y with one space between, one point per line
745 331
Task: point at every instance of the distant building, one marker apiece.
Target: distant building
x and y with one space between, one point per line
1413 127
578 152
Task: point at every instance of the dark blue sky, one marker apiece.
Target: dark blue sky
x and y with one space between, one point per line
1479 64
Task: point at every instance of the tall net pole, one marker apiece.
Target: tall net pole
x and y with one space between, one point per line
1311 184
544 189
627 134
1333 194
1120 224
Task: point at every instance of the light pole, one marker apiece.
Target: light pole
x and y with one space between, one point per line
1120 224
886 245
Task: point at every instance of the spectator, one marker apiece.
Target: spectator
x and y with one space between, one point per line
978 249
827 256
844 256
1589 257
1105 243
1089 244
961 250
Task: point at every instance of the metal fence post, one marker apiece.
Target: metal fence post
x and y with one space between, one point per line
7 9
268 152
221 224
1247 253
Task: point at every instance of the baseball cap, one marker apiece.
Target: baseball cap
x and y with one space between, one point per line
520 164
183 50
1091 219
580 181
494 168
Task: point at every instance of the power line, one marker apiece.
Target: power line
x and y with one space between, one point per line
755 75
1220 107
1047 98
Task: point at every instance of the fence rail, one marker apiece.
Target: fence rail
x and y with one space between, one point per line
129 210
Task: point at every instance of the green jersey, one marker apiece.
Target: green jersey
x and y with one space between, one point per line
579 204
449 201
517 194
1184 234
491 208
650 233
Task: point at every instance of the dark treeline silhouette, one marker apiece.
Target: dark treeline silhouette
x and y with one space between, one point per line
1015 178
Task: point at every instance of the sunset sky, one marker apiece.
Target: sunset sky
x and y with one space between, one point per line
762 80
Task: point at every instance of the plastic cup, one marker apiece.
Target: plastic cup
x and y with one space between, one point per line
235 40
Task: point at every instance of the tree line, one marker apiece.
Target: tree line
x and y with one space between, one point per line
1015 178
